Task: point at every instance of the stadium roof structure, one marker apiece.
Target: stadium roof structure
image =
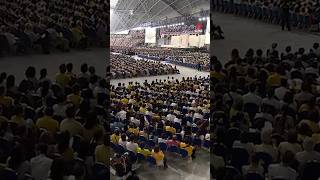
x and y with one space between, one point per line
127 14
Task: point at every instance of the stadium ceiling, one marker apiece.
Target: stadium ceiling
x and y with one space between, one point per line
127 14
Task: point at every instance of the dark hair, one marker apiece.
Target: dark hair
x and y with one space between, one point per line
84 68
91 120
30 72
70 112
48 111
156 149
43 73
10 81
62 68
69 67
123 137
292 136
42 148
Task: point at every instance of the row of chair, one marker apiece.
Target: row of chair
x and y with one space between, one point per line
270 15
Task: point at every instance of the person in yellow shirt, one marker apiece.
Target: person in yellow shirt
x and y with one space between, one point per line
92 127
133 129
47 122
75 97
158 155
190 149
70 124
102 151
125 100
274 79
115 137
142 150
18 118
62 78
143 109
217 74
6 101
170 129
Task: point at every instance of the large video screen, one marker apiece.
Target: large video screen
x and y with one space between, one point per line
151 35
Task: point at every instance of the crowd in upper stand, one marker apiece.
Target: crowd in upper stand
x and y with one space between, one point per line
265 114
152 118
62 24
123 66
54 128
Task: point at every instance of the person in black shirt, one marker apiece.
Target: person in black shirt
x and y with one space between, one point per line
285 15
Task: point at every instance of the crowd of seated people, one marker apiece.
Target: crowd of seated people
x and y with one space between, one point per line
265 114
125 41
151 119
137 33
161 53
178 30
123 66
54 128
62 24
304 13
198 60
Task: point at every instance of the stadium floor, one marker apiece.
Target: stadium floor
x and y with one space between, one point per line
16 65
244 33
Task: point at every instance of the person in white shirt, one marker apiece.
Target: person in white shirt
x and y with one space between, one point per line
251 97
123 141
283 170
281 91
198 115
131 145
271 101
41 164
308 154
122 115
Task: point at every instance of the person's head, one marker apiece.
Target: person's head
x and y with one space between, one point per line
259 52
30 72
91 120
84 68
217 67
287 158
123 137
106 140
288 49
3 75
69 67
117 132
252 88
92 70
70 112
58 169
254 160
308 144
62 68
284 82
316 45
18 110
42 148
43 73
292 136
10 81
131 138
156 149
266 137
235 54
48 111
76 89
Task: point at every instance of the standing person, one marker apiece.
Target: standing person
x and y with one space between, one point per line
285 15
